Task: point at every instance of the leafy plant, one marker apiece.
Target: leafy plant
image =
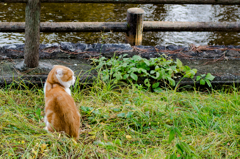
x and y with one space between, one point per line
149 74
203 79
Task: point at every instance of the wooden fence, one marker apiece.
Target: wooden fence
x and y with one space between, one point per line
133 27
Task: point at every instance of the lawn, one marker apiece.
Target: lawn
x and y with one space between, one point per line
124 122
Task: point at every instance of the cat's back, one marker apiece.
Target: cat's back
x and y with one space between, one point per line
57 91
60 98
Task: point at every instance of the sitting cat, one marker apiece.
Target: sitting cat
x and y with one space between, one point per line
61 113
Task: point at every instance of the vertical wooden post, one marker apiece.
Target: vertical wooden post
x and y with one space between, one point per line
135 26
32 33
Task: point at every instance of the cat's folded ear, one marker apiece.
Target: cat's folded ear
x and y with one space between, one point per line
59 72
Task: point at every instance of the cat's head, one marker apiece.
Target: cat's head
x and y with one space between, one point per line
61 75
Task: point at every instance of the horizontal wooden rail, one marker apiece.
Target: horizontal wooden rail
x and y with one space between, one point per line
67 26
191 26
226 2
122 26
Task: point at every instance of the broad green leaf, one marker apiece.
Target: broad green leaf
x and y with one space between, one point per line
155 85
179 63
208 83
134 76
86 109
157 75
117 75
186 68
171 81
124 65
147 62
209 77
125 76
134 69
194 70
152 71
189 74
143 70
173 68
202 82
136 57
198 78
163 74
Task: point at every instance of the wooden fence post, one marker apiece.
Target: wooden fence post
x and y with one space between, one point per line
135 26
32 33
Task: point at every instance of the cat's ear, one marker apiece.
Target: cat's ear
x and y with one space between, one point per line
59 72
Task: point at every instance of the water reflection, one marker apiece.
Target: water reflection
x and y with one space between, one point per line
75 12
225 13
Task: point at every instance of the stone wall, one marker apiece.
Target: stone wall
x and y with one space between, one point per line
221 61
85 51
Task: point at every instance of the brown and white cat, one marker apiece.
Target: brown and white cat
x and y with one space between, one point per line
61 113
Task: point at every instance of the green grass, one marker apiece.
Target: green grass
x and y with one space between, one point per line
124 123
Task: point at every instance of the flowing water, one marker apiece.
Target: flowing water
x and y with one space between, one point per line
89 12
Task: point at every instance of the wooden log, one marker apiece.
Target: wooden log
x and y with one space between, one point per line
67 26
191 26
122 26
12 26
32 33
214 2
135 26
83 26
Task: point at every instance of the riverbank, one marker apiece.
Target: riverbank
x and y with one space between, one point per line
221 61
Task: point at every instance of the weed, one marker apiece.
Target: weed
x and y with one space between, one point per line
124 122
153 74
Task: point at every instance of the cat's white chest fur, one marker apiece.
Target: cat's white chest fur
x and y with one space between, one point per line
68 91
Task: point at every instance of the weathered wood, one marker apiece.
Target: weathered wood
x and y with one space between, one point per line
12 26
67 26
135 26
83 26
215 2
32 33
191 26
122 26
